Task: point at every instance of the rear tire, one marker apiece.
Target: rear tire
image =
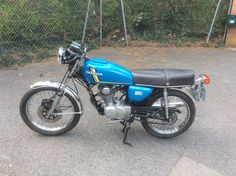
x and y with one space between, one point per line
191 108
30 124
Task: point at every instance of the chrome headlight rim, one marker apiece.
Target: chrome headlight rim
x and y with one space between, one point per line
61 55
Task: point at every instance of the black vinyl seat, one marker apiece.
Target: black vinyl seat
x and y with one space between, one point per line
164 77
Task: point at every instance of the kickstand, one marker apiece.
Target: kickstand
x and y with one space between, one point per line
123 130
126 130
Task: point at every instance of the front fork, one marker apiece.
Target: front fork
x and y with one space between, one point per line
62 87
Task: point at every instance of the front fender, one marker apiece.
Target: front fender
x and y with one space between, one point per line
68 90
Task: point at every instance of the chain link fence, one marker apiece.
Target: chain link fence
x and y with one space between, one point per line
32 29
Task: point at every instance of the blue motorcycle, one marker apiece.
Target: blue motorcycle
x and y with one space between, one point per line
161 99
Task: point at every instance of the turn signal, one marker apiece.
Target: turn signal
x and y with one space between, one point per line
206 79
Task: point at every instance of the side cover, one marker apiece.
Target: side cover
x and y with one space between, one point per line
138 93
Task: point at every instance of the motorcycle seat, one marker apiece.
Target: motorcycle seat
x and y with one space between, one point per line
163 77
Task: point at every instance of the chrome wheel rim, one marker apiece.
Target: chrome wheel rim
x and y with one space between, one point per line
34 112
180 121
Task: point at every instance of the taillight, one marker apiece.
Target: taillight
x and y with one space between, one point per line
206 79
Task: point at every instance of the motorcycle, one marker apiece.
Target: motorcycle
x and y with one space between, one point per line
161 99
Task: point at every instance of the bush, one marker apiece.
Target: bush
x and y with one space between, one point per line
35 28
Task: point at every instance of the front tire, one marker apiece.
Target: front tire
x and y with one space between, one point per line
167 131
33 118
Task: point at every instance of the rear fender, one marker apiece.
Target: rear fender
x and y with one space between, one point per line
197 90
189 91
68 90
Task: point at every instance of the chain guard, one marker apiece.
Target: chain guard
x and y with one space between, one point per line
161 115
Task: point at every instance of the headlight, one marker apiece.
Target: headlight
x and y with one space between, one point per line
61 55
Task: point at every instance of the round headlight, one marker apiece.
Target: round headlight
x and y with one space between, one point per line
61 55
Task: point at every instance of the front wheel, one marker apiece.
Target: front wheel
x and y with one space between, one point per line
33 112
181 115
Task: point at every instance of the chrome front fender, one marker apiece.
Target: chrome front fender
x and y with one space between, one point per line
68 90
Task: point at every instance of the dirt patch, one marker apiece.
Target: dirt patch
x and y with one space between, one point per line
131 57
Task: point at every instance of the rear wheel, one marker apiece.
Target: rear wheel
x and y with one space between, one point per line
34 113
180 119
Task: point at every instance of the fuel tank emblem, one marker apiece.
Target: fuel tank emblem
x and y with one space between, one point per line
138 93
95 74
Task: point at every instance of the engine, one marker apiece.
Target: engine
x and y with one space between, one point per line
114 108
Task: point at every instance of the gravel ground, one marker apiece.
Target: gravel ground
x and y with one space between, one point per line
94 147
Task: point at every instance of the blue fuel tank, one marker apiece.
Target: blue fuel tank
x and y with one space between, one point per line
99 71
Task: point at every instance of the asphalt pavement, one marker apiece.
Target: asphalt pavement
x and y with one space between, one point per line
95 147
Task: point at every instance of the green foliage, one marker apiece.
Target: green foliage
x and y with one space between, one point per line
33 29
160 20
33 20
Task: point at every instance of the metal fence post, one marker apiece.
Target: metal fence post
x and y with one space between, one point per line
101 22
213 21
86 21
123 15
